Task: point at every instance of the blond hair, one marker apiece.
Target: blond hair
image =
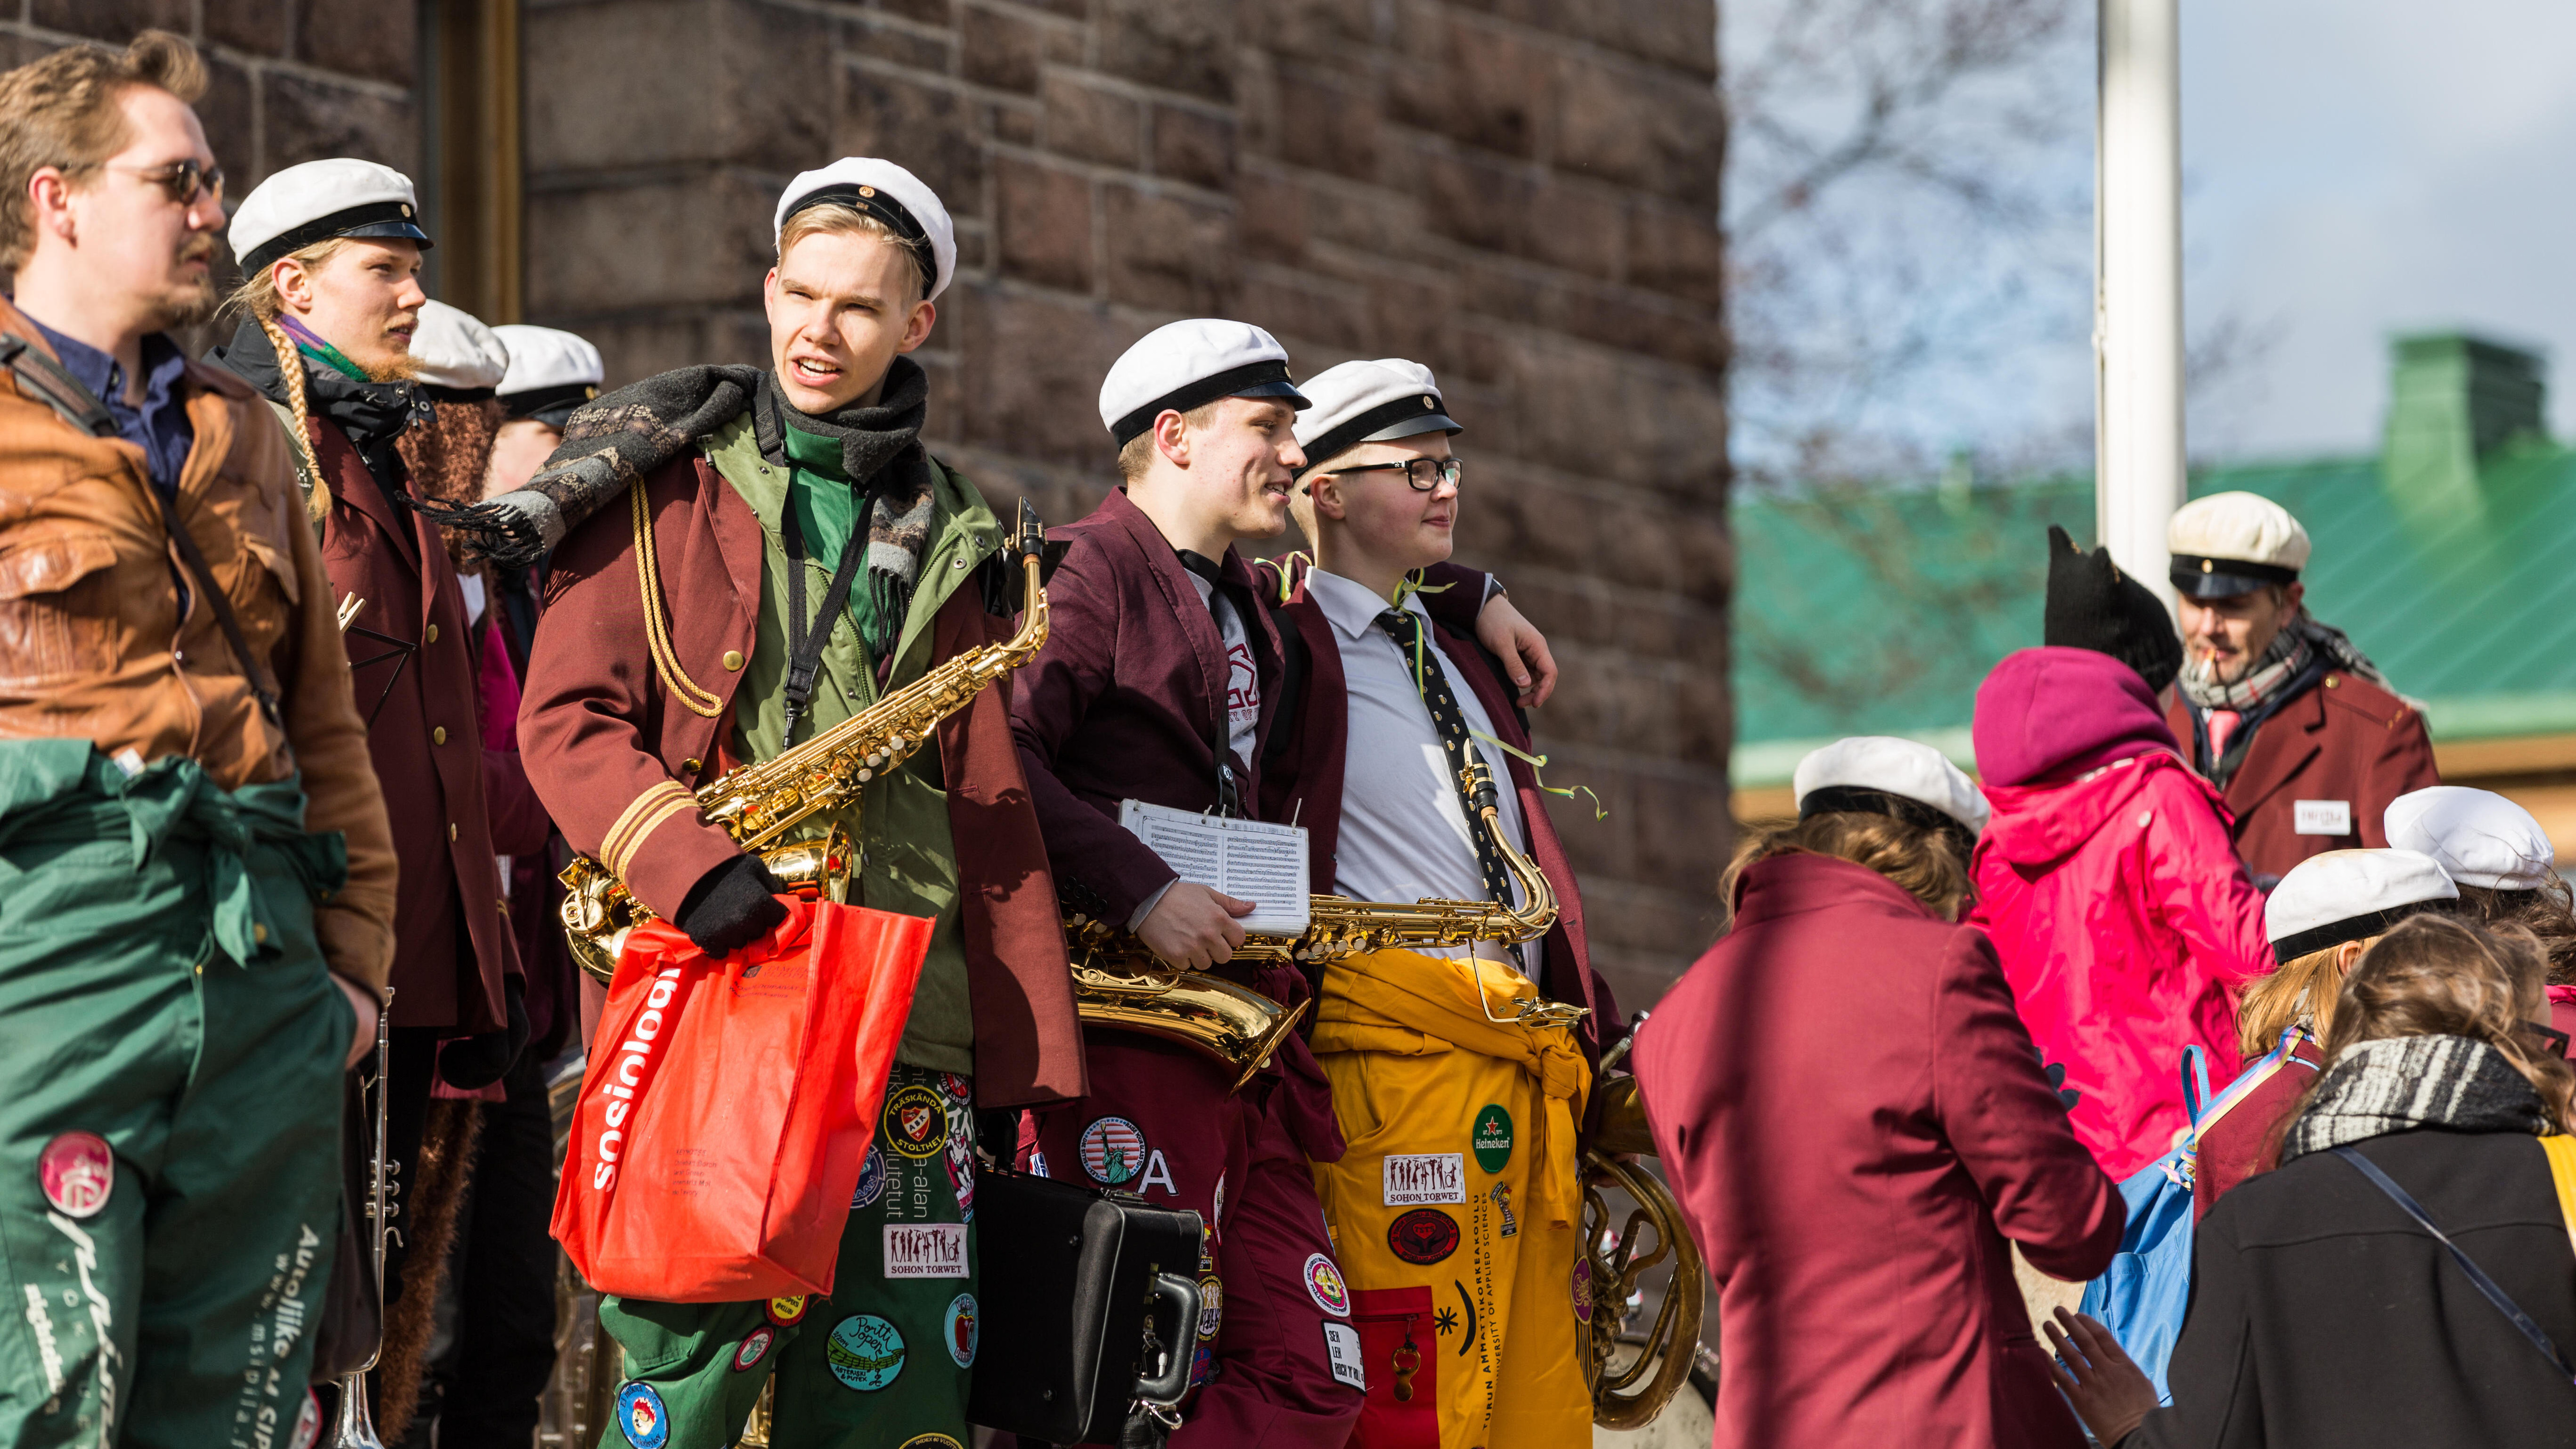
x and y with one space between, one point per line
1922 860
257 299
2305 987
834 218
63 111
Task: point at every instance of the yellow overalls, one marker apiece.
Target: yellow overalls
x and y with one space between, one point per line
1457 1211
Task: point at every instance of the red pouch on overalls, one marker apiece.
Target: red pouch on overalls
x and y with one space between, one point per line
729 1103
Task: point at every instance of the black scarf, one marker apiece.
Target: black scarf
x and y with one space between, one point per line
2397 1084
613 441
372 414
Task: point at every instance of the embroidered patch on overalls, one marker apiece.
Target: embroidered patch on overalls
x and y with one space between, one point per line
1582 1289
640 1414
1411 1179
754 1347
1423 1236
787 1312
872 1179
866 1353
965 1329
931 1441
1324 1285
1113 1150
916 1122
1342 1350
1211 1305
925 1250
78 1172
959 1089
1492 1140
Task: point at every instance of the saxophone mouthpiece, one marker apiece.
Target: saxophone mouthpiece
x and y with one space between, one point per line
1028 540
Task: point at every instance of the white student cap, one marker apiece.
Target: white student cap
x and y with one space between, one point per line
892 195
1182 365
319 200
551 373
2345 895
1368 402
2481 838
2233 543
453 349
1850 775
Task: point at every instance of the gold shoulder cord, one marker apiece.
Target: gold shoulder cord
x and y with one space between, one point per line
648 579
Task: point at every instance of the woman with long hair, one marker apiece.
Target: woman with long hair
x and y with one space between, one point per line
2405 1276
1856 1124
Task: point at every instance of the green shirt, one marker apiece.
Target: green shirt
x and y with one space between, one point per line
907 859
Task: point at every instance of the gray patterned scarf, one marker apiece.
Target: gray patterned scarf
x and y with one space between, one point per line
2396 1084
2282 663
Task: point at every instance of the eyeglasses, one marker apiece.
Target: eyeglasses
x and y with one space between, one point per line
183 181
1424 474
2552 1041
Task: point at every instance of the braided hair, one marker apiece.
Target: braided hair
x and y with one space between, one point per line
257 298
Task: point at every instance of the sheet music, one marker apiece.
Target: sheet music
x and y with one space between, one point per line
1249 860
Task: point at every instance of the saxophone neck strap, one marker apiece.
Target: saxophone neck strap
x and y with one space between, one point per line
805 643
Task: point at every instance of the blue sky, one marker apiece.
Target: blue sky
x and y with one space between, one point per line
2354 168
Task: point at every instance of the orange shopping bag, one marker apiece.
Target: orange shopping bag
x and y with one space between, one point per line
729 1103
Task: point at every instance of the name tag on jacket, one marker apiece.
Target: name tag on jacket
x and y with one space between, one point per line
2321 817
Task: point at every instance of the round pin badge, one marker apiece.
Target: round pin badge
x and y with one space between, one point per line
916 1122
866 1352
965 1329
308 1424
1324 1285
754 1347
787 1312
931 1441
1492 1139
1582 1290
1423 1236
872 1179
78 1172
1113 1151
641 1415
959 1089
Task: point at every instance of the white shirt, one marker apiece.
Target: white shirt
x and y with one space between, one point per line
1404 835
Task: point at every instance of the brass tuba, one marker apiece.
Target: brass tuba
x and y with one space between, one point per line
757 804
1118 983
1632 1395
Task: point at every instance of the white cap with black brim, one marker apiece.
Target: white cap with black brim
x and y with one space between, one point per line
894 196
1183 365
551 373
2480 838
2349 895
452 349
2229 544
1885 775
320 201
1369 402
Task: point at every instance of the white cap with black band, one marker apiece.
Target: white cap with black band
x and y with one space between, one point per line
1182 365
2229 544
1884 775
2348 895
1368 402
319 201
907 206
2480 838
452 349
551 373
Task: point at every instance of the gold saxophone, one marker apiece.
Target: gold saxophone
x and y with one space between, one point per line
1120 984
756 804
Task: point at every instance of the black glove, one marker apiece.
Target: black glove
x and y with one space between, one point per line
732 906
479 1061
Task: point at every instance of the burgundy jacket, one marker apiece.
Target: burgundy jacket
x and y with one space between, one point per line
1854 1121
2343 739
615 756
418 696
1301 779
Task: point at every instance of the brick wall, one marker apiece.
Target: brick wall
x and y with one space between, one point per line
290 80
1520 195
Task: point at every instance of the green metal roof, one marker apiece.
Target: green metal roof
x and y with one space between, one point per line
1879 611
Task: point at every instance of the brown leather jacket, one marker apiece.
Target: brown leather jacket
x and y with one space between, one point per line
92 642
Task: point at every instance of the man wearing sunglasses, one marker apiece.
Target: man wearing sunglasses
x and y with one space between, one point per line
196 880
1456 1206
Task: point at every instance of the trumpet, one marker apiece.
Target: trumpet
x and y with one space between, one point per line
1119 983
356 1428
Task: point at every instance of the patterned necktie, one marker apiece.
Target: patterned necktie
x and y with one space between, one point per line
1405 627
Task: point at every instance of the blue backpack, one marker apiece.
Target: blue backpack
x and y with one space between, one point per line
2144 1294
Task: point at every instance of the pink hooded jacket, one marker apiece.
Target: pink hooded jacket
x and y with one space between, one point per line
2108 883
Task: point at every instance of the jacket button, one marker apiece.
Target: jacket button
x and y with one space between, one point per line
733 659
438 734
451 830
259 932
432 635
692 765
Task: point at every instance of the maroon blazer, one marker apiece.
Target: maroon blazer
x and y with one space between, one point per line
1854 1121
418 695
2343 739
1128 701
615 756
1302 780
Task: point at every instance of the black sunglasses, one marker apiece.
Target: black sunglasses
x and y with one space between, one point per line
183 181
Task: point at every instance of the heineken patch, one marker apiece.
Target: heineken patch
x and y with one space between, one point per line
1412 1179
1493 1138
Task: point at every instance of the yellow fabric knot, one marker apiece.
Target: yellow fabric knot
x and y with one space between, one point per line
1409 1004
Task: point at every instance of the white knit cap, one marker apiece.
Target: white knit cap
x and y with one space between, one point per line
2345 895
1893 766
887 192
452 348
2481 838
